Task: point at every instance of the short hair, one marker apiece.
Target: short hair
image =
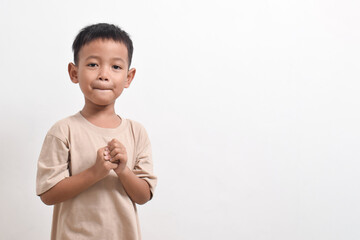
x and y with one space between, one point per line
101 31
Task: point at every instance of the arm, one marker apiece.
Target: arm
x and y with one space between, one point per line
72 186
137 188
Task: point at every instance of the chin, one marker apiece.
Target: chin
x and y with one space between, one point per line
103 103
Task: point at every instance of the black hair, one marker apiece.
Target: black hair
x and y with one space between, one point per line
101 31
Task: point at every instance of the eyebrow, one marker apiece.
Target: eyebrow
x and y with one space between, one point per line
115 58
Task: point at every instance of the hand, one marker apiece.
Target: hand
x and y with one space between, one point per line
118 155
103 165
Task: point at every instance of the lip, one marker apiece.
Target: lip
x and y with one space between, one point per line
102 89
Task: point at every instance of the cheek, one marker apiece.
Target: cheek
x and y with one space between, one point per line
84 88
120 81
119 89
87 75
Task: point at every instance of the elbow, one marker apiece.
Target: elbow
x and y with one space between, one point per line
144 199
46 200
142 202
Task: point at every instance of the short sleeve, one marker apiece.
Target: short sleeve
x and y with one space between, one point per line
53 163
144 164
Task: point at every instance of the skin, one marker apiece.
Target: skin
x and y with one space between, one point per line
102 74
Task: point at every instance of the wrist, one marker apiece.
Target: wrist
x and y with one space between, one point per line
94 174
122 171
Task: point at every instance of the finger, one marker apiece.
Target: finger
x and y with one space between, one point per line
112 146
116 151
112 142
119 144
111 165
101 151
107 157
118 157
115 161
106 151
106 154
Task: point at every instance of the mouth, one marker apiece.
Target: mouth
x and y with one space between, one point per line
103 89
101 86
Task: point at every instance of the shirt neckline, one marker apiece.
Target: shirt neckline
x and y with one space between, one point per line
102 130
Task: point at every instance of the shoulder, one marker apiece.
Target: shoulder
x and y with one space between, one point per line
61 129
140 137
137 129
135 126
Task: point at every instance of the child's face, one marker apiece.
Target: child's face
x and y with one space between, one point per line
102 71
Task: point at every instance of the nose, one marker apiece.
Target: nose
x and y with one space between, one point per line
103 74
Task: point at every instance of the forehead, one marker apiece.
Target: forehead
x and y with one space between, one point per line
104 49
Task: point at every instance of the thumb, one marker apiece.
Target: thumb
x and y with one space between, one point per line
102 151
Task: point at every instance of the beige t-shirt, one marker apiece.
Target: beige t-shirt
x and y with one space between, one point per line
103 211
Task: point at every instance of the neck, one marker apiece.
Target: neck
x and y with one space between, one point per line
101 116
96 110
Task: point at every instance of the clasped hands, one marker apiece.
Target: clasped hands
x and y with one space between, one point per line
113 156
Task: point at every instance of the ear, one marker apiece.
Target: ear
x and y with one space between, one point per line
73 69
130 77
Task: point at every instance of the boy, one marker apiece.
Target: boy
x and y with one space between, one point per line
94 166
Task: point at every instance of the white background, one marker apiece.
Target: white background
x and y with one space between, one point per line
252 108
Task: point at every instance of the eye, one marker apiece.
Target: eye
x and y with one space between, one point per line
116 67
92 65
